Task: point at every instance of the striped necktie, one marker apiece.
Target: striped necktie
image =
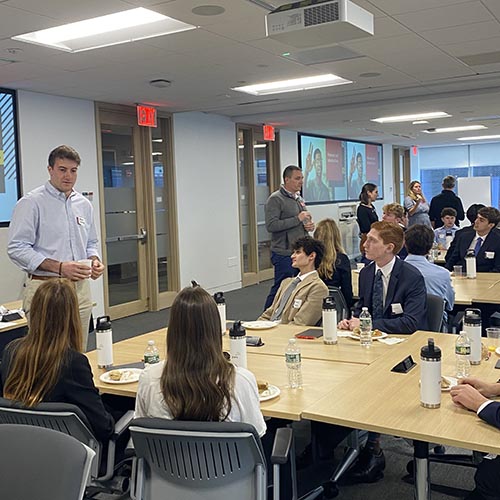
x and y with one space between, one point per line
284 299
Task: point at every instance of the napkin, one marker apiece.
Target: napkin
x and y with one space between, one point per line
391 340
343 333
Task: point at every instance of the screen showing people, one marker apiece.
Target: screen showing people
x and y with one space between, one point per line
9 186
335 170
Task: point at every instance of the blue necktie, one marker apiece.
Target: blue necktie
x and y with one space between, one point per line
478 246
378 297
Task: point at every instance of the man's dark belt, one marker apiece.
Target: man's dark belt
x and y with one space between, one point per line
41 278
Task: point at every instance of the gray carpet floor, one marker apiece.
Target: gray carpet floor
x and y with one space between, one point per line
246 304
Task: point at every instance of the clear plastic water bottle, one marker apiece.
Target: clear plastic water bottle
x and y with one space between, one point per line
462 353
293 364
151 354
365 328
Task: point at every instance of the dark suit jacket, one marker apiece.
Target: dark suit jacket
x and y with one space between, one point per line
453 243
491 414
483 264
75 386
407 288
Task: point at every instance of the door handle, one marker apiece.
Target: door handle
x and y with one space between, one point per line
142 237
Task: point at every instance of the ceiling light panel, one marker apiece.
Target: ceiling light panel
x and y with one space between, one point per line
479 138
409 118
453 129
103 31
294 85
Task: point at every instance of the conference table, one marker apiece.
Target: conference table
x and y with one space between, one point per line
349 385
12 325
485 288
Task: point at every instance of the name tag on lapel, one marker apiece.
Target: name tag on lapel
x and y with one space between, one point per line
489 255
297 303
397 309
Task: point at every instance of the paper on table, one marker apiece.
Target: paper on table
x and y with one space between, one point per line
391 340
343 333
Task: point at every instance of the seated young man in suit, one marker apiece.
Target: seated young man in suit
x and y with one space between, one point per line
484 241
395 295
473 394
393 290
299 300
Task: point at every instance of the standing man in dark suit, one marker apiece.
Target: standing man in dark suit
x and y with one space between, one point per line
446 199
473 394
484 241
287 220
394 292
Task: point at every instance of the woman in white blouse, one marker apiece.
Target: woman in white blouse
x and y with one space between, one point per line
196 382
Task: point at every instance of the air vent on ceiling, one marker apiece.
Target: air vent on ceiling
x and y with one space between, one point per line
324 55
323 13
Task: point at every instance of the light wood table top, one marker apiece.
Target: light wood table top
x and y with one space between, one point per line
379 400
466 290
319 377
346 350
16 304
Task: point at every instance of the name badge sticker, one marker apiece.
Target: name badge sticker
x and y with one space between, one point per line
81 221
297 303
489 255
397 309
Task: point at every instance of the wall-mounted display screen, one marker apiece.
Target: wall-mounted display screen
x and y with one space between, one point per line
9 164
335 169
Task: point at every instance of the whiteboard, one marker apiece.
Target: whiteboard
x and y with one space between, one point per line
474 190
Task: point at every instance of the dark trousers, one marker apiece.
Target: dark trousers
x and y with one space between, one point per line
487 480
282 269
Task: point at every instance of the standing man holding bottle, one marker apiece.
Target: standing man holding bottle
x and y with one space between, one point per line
287 220
52 232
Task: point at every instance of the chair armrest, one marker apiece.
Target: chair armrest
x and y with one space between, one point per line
282 445
123 424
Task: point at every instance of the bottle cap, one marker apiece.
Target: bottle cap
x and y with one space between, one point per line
329 303
103 323
430 351
472 317
237 330
151 342
219 298
292 341
470 253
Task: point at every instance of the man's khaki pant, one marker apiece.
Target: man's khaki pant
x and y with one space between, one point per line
82 289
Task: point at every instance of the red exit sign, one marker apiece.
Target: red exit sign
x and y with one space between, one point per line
146 116
268 132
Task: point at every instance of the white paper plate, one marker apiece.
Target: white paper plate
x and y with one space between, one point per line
497 350
259 325
451 380
129 375
270 393
355 336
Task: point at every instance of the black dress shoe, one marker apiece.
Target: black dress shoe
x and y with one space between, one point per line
368 467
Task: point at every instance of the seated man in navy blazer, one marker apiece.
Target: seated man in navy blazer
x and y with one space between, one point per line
394 292
484 241
473 394
403 305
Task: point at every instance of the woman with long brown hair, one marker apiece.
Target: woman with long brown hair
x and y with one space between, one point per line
196 382
47 365
335 268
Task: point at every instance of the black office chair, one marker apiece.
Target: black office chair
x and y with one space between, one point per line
69 419
435 311
209 460
343 311
42 464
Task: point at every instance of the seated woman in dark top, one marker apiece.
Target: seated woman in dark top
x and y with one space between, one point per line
335 268
47 365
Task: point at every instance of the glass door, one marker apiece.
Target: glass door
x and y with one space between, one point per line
137 209
256 159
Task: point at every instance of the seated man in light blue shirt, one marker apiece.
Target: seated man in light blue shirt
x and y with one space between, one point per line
418 241
444 235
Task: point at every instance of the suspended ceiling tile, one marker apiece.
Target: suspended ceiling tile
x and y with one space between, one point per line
461 34
443 17
494 7
15 22
473 47
393 7
188 41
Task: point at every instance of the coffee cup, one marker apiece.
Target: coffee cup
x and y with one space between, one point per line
87 262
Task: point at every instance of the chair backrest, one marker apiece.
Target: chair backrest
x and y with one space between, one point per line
62 417
340 302
193 460
42 464
435 310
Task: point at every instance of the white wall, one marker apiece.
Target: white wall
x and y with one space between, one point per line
207 200
44 123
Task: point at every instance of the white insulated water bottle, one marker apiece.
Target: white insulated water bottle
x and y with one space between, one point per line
472 328
470 264
329 321
238 344
221 307
430 375
104 342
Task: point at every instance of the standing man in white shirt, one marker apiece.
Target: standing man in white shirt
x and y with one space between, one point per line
52 229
